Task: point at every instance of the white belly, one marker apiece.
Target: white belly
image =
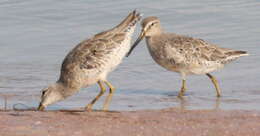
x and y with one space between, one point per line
115 57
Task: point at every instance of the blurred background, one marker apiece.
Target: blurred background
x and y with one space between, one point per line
35 36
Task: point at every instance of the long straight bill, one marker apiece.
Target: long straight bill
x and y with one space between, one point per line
141 36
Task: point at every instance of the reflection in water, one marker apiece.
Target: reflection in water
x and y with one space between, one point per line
185 104
217 103
6 98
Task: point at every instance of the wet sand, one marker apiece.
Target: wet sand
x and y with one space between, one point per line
166 122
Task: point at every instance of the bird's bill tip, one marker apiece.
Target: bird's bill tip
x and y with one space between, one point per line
41 107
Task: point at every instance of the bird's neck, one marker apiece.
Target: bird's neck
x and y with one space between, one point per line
158 31
65 90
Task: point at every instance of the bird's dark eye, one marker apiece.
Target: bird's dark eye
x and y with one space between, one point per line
43 92
152 24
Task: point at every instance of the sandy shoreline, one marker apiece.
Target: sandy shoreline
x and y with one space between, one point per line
166 122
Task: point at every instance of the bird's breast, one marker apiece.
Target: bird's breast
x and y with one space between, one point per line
115 56
164 56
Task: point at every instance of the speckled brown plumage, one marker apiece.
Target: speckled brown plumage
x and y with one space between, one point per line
183 54
91 61
189 53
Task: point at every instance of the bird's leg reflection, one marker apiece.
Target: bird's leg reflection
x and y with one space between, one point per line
184 103
5 97
217 103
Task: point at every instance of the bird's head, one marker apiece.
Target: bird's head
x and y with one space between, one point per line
150 27
50 95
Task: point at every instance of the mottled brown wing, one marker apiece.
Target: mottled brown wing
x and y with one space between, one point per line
213 53
89 54
197 49
207 51
81 59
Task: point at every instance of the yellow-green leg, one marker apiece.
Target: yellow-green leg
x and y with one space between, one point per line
183 89
102 91
109 97
215 82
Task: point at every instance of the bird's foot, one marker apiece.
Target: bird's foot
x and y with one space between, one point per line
88 107
105 108
180 96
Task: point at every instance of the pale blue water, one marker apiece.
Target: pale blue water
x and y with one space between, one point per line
35 36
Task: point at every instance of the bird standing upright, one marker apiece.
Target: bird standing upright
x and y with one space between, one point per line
183 54
90 62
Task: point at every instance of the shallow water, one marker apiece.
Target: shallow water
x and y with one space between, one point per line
35 36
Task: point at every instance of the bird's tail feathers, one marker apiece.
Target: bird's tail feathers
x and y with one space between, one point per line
237 53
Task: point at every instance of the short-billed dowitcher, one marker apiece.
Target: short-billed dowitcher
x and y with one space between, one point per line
183 54
90 62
